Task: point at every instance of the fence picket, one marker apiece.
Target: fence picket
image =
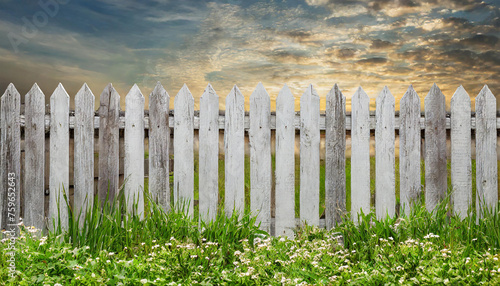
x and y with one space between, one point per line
435 148
234 150
285 162
183 150
34 158
209 154
84 152
10 161
260 156
385 190
461 170
134 150
335 142
486 152
109 168
360 155
409 149
309 157
59 158
159 139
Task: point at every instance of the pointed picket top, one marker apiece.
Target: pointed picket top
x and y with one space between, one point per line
285 95
135 92
11 90
410 97
460 95
308 94
485 94
183 95
84 92
159 90
159 94
259 93
108 95
60 92
385 97
435 94
209 92
360 95
234 95
35 89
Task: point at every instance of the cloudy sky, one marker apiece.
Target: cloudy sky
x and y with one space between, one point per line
371 43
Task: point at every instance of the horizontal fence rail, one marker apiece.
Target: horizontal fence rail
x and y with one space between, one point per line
272 190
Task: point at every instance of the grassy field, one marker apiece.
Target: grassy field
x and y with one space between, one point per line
172 249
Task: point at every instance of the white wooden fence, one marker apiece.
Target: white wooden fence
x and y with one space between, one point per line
259 123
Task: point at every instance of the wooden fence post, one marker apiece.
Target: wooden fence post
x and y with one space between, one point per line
209 154
159 141
486 152
134 150
59 159
84 152
34 158
461 170
409 150
183 150
260 156
234 149
10 161
109 160
435 148
335 142
285 163
360 155
309 157
385 190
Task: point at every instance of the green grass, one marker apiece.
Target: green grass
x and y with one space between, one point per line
171 248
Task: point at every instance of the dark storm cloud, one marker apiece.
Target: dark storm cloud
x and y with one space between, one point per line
373 61
488 41
380 44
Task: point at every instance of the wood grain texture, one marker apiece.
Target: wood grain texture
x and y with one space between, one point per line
234 149
285 164
309 157
109 114
435 148
183 151
134 151
59 159
260 156
159 139
461 166
34 158
335 143
84 152
209 154
10 161
385 178
486 152
360 157
410 187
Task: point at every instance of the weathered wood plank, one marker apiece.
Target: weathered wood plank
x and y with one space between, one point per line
109 113
159 139
296 124
59 159
461 169
285 164
260 156
183 151
34 158
309 157
84 152
409 150
234 149
385 185
435 148
209 154
360 157
335 142
486 152
10 161
134 151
